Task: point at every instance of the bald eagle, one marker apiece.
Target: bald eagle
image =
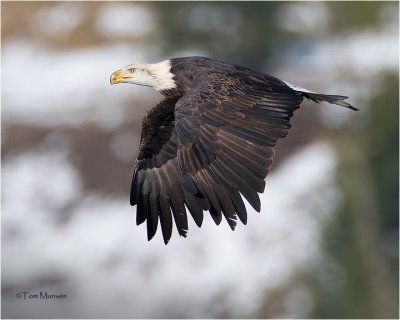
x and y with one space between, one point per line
209 141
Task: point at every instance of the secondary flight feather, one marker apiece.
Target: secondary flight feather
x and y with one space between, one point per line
209 141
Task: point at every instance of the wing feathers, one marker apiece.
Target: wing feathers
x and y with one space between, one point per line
206 150
227 206
238 204
248 191
141 212
195 208
152 218
165 218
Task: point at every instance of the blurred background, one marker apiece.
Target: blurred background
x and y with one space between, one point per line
325 244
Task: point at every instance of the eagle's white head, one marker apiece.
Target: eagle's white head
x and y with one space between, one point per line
156 75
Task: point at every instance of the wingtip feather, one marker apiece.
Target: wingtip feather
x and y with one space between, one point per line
333 99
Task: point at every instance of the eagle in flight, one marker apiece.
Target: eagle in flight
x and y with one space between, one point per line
209 141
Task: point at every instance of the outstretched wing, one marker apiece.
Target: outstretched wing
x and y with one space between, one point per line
226 128
210 147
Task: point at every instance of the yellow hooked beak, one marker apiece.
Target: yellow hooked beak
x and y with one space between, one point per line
122 75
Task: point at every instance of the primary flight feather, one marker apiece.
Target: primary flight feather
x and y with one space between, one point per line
209 141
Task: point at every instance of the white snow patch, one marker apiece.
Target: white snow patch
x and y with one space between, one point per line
63 87
350 65
126 20
309 18
59 19
110 270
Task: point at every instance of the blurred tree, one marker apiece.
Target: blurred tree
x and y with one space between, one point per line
363 236
353 15
240 32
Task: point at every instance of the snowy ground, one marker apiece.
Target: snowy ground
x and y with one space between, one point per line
104 260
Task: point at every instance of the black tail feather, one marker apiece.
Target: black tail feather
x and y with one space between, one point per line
334 99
